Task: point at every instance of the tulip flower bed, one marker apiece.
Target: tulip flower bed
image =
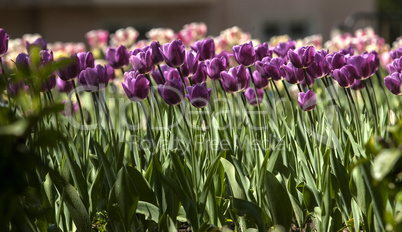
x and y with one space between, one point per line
184 132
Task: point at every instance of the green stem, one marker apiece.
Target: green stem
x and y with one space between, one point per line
160 71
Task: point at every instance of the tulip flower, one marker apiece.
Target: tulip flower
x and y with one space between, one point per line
395 54
347 51
64 86
263 51
292 74
270 68
200 76
110 72
215 67
94 79
343 76
14 87
67 108
97 38
394 83
336 60
395 66
320 66
156 54
39 43
236 79
307 100
136 86
302 57
365 64
117 58
173 53
172 92
86 60
250 96
282 49
357 84
22 64
245 54
156 74
142 61
198 95
190 64
259 81
3 42
71 70
206 48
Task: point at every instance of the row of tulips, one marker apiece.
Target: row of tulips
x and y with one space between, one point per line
309 173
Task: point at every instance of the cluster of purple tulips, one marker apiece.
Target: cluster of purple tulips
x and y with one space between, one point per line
185 72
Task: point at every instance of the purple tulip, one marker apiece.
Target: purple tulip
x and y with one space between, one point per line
198 95
292 74
250 96
67 108
71 70
347 51
262 51
173 53
310 81
336 60
282 49
94 79
190 64
142 62
156 74
206 48
39 43
64 86
270 68
3 42
302 57
86 60
215 67
395 54
320 66
394 83
110 72
226 56
172 92
48 84
22 63
357 84
14 87
343 77
46 58
236 79
117 58
245 54
365 64
136 86
395 66
200 76
156 54
260 82
307 100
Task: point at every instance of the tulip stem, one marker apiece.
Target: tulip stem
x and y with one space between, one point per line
79 102
372 106
279 94
355 112
307 80
380 82
5 79
257 98
182 79
160 71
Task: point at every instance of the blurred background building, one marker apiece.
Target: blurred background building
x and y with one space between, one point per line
69 20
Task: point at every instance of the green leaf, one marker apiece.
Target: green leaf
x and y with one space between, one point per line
278 202
384 162
246 207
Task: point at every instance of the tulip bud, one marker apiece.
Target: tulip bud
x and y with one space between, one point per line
3 42
206 48
173 53
142 61
198 95
215 67
236 79
94 79
394 83
190 64
64 86
117 58
172 92
71 70
245 54
302 57
250 96
136 86
86 60
307 101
